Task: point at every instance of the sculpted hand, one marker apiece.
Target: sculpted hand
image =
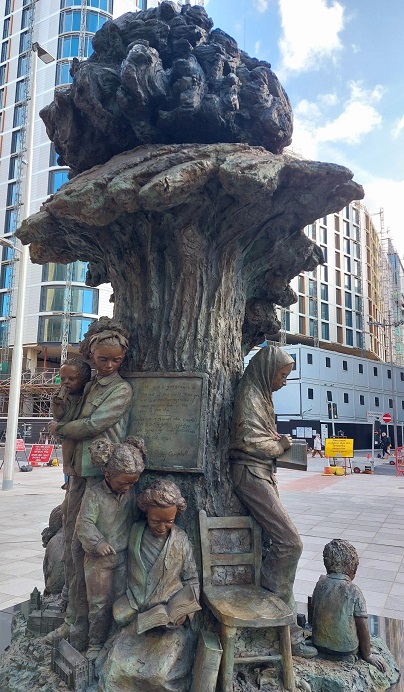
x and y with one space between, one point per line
52 427
286 441
104 549
378 661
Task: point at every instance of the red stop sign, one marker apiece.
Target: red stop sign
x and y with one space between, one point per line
387 418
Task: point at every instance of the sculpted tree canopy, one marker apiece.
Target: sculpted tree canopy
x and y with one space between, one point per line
163 76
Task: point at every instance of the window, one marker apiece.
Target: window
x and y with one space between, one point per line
11 220
312 308
324 251
94 21
25 18
337 241
310 358
349 337
346 398
25 42
347 246
310 393
402 403
302 305
2 95
345 365
347 264
324 236
71 3
22 68
58 272
12 168
361 399
63 75
360 368
375 371
7 8
339 315
323 273
53 156
8 253
348 318
69 21
337 277
2 74
56 180
293 355
6 27
68 47
6 275
300 282
347 282
21 90
402 376
359 337
18 115
50 329
358 303
5 299
329 395
302 325
324 311
377 403
325 331
338 296
389 374
12 194
83 299
328 363
390 403
324 292
312 288
105 5
312 328
4 51
337 260
348 300
346 228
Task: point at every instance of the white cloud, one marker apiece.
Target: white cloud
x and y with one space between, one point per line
122 6
398 127
310 33
359 117
261 5
382 192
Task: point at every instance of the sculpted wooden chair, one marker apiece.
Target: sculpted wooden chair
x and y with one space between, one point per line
242 605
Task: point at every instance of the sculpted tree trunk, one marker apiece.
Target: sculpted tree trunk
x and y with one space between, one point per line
199 243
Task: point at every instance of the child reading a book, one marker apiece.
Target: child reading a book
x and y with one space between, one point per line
103 525
340 621
161 572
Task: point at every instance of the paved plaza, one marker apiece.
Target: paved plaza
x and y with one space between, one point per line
367 510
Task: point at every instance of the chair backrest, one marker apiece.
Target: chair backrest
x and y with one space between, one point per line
244 549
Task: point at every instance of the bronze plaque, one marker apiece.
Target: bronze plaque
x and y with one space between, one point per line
169 412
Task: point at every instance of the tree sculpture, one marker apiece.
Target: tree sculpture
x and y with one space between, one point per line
199 226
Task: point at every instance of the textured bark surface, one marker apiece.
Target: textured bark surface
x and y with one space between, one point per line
200 243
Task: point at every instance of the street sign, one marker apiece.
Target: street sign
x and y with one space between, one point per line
371 416
40 454
19 445
387 417
339 447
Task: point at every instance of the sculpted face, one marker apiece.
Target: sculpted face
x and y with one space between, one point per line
280 376
107 359
71 379
121 482
161 519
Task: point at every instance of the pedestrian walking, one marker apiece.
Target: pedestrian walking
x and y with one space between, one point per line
317 446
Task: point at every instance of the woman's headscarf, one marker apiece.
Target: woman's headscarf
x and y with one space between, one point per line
254 433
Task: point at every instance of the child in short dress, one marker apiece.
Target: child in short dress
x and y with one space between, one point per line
103 525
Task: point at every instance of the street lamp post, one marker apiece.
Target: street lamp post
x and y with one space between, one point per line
16 363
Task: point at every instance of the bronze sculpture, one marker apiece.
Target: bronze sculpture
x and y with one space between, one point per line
254 446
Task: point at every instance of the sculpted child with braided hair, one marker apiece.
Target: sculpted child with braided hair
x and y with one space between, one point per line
103 415
103 525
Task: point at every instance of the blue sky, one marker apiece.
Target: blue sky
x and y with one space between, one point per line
342 66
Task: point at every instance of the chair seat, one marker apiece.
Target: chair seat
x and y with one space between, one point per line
247 606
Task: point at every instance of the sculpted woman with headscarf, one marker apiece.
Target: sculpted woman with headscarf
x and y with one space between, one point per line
254 446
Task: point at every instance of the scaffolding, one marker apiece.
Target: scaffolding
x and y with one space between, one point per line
37 390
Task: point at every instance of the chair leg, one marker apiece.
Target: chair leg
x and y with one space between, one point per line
228 635
286 653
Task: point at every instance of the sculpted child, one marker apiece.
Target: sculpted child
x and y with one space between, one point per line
106 515
103 415
160 565
340 621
